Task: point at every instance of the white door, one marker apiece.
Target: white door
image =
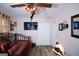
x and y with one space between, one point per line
43 34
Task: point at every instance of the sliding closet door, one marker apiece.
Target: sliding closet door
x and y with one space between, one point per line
43 34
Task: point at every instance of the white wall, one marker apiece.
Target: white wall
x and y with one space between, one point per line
35 34
64 37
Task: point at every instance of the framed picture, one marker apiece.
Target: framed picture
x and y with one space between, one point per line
11 27
75 26
61 27
30 25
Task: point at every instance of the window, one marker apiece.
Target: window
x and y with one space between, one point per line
4 23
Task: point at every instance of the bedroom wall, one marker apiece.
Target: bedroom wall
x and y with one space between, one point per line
35 34
69 43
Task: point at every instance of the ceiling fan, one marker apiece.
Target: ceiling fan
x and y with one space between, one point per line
32 7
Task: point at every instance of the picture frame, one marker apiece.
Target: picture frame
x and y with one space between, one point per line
61 27
30 25
75 26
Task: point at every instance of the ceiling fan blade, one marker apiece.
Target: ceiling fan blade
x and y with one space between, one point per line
18 5
48 5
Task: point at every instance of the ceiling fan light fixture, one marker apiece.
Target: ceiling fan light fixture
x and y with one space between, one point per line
31 9
27 9
34 8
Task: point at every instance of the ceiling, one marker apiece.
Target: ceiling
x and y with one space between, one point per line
42 12
14 12
21 12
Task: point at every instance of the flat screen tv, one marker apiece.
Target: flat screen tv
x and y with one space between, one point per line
30 25
76 24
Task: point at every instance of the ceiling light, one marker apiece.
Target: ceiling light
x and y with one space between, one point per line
31 9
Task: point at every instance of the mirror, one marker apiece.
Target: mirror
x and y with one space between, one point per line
75 26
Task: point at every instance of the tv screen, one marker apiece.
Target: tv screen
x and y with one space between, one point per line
30 25
76 24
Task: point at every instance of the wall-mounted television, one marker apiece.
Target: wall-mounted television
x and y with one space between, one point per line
30 25
76 24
